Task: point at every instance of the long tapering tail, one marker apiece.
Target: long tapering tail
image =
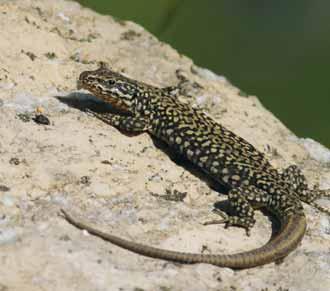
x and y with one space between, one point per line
291 233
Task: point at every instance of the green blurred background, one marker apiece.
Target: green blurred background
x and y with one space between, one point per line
278 50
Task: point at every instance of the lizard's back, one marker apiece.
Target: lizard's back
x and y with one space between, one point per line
225 156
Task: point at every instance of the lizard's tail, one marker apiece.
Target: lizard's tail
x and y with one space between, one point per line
291 233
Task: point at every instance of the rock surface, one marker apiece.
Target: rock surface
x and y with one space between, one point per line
116 181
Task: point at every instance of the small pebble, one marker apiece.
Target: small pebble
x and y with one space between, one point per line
41 119
40 110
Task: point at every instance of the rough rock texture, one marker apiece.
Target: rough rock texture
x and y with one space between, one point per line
112 179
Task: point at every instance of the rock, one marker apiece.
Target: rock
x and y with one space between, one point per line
316 150
44 45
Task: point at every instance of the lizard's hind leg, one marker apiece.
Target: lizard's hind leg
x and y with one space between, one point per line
243 200
297 180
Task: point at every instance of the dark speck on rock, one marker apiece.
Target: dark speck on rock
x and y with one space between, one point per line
4 287
50 55
65 237
14 161
31 55
176 195
4 188
86 180
130 35
25 117
41 119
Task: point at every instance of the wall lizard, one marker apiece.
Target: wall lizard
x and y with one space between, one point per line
227 158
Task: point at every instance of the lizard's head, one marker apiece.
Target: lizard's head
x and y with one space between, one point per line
111 87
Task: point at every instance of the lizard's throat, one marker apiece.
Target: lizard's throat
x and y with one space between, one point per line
115 102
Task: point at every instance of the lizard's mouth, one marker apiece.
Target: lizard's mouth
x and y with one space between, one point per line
116 103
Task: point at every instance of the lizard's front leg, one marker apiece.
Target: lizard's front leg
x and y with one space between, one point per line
180 88
123 122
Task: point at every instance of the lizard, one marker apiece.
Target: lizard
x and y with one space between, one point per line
230 160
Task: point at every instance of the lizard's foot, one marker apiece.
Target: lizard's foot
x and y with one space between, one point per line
241 200
217 221
321 193
183 87
315 194
320 208
297 181
245 222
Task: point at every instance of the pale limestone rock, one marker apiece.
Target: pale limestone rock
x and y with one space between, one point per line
44 45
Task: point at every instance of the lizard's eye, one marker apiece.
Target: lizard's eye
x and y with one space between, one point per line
111 82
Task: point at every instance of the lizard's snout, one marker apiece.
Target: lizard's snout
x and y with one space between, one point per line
82 77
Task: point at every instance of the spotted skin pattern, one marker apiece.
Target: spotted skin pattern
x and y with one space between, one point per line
224 156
